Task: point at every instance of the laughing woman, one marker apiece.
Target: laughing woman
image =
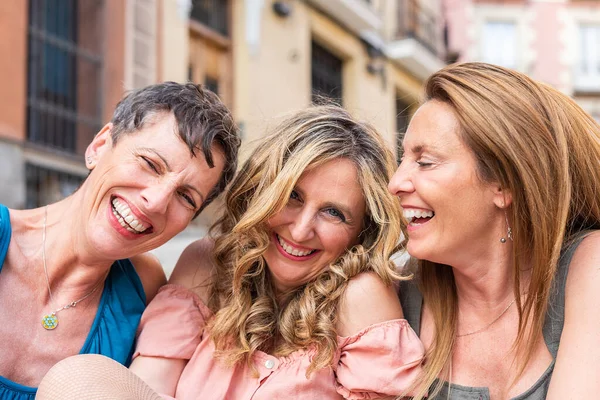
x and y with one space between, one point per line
500 182
293 298
73 275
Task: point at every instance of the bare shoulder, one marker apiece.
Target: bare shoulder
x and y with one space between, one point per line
586 260
195 268
367 301
151 273
577 368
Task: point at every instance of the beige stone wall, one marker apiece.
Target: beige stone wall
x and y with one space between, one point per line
272 70
173 48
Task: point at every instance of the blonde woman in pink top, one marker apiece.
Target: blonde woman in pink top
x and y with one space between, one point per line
291 297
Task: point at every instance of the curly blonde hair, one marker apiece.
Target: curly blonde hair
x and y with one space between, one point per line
249 315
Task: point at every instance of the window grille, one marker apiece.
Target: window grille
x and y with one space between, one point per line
64 94
45 186
212 13
419 23
326 73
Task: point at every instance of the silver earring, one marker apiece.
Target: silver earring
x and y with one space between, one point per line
89 160
508 230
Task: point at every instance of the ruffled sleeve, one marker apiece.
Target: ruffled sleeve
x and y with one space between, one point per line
172 325
381 360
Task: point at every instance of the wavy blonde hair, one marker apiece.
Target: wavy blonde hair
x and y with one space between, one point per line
542 148
249 315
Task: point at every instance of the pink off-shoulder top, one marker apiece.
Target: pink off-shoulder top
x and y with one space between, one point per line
379 361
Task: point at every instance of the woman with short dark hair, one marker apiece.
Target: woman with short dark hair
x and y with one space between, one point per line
74 275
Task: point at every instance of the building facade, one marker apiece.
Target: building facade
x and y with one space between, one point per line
68 62
554 41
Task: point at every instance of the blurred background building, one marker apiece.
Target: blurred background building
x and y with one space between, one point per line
554 41
68 62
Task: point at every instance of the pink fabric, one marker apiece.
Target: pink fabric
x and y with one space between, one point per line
381 360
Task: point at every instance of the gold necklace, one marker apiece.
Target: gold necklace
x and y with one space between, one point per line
50 321
490 324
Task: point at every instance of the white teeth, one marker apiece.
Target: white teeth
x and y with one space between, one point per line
126 218
290 250
412 213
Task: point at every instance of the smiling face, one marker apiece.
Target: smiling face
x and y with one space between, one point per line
323 217
452 214
145 189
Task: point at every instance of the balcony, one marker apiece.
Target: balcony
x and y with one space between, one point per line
417 45
357 15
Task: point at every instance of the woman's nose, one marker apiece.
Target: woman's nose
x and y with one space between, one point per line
302 227
401 181
156 198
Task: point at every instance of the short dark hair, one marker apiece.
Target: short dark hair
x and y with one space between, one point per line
201 118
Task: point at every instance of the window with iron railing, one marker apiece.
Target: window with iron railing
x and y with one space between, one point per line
419 23
212 13
326 73
64 68
45 186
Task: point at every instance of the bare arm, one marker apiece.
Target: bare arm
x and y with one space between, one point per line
193 268
577 371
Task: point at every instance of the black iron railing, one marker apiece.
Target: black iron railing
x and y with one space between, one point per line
419 23
45 186
212 13
326 73
64 73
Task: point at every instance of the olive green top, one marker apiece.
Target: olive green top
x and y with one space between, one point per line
412 302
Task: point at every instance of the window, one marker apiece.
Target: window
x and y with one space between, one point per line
64 73
588 70
45 186
211 84
212 13
499 44
326 73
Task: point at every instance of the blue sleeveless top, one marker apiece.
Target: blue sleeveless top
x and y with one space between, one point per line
113 331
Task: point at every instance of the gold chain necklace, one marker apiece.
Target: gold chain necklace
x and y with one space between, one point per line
490 324
50 321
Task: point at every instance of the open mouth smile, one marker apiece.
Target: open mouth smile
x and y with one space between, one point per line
417 217
291 251
127 218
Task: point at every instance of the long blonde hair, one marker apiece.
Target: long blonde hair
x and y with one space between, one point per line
249 317
541 147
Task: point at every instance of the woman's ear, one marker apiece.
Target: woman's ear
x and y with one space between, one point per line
101 142
502 197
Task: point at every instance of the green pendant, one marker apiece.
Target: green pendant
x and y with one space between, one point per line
50 322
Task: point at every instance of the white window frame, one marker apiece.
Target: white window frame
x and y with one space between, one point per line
587 77
499 43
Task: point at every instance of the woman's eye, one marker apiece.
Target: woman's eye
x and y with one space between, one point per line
294 195
150 164
336 214
188 199
424 163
